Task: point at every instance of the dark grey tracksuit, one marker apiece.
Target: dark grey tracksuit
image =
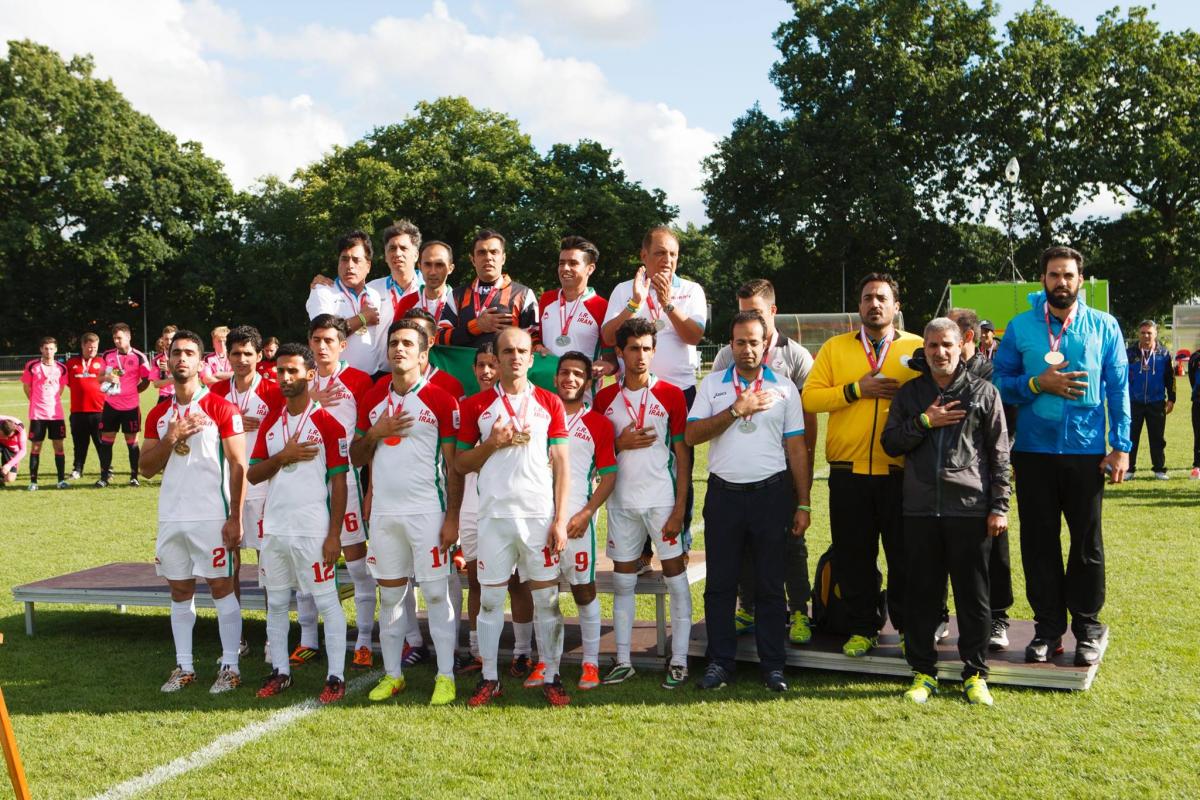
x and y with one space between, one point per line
954 476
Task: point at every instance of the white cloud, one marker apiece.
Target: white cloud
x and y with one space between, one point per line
157 55
180 63
623 21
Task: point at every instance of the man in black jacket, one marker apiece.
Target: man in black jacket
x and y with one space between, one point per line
949 425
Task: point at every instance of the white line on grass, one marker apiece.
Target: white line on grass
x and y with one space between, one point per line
224 745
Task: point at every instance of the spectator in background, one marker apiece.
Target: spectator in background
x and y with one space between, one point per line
13 444
216 365
1151 397
87 401
266 366
161 374
126 376
44 380
987 339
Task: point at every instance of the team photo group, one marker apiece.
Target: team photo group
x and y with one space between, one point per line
352 454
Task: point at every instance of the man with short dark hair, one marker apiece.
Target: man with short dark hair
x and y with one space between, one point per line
87 401
1151 397
491 302
437 264
949 426
350 298
126 375
854 378
788 358
987 339
1062 364
44 380
196 442
648 416
758 494
572 314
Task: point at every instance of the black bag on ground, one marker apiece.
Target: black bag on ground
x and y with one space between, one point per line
829 611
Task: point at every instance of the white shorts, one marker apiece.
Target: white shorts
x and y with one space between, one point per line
406 545
468 534
577 561
628 529
354 528
252 522
509 542
186 550
295 562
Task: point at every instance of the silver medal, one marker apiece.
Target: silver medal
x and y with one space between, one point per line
563 341
747 427
1054 357
660 324
290 467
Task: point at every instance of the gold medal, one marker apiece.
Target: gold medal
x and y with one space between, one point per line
521 437
182 448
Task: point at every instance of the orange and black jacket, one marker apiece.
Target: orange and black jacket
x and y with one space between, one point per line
513 297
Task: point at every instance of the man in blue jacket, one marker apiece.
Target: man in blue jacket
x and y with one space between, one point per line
1062 363
1151 396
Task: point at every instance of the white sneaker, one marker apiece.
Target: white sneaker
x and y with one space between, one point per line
942 631
33 487
1161 476
75 475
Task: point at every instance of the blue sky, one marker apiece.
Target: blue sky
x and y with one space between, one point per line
269 86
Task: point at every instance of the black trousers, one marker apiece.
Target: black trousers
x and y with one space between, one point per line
938 547
864 509
1050 488
1000 578
1196 432
1154 415
756 523
85 428
796 583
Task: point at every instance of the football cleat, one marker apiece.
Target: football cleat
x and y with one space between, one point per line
590 678
363 659
227 680
485 692
276 683
302 655
537 676
334 690
178 680
387 687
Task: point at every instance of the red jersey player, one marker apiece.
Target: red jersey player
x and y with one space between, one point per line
87 401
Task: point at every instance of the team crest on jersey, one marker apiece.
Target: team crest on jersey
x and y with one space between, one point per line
343 448
456 419
485 415
237 424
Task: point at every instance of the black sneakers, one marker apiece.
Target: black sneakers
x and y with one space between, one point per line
715 677
1042 650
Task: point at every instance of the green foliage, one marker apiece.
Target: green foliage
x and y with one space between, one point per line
95 197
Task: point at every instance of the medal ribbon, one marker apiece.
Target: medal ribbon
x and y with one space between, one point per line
243 401
1055 341
876 362
329 381
518 422
303 419
640 417
758 382
179 410
1146 359
487 301
655 314
441 303
355 302
399 406
578 415
564 318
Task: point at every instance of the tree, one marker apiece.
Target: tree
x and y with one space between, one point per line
94 197
1145 142
873 150
1036 98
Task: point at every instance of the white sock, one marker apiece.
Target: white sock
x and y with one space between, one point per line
547 618
278 623
391 627
589 629
306 615
490 623
522 638
623 585
473 643
412 629
364 602
681 617
330 606
183 621
229 623
441 623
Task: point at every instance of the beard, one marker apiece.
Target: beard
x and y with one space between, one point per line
1062 300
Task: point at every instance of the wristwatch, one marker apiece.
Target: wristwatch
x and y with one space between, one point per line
668 308
734 413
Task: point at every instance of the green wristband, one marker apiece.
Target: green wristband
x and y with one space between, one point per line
804 508
632 308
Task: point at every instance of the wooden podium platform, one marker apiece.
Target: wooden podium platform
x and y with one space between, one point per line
1005 666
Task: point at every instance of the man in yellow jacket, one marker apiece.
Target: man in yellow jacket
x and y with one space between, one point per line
854 378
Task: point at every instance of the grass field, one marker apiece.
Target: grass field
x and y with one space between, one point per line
88 714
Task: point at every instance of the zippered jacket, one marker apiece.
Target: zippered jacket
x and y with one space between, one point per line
855 422
1047 423
959 470
1154 383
